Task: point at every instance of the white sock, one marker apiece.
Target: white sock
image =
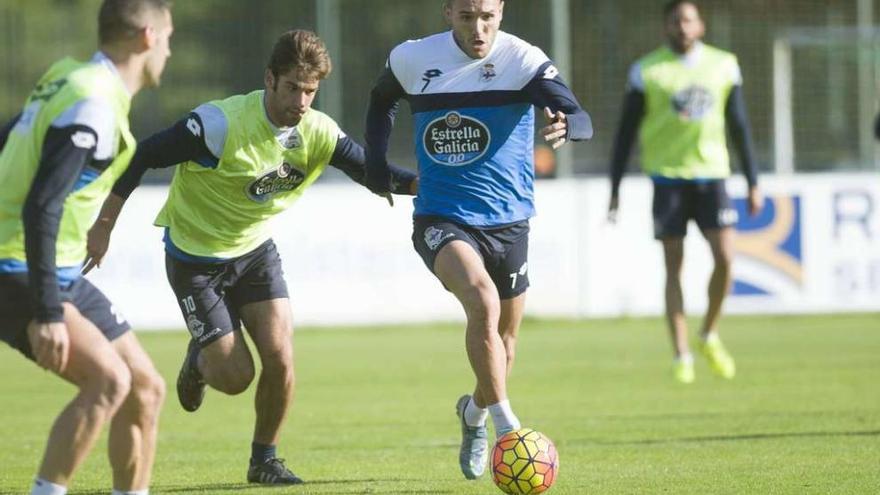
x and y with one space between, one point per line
133 492
710 337
43 487
503 417
474 415
685 358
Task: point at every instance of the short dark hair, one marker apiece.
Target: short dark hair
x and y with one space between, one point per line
673 5
121 19
302 51
448 3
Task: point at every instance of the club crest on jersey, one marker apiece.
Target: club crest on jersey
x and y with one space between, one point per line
455 140
693 103
487 73
292 140
281 179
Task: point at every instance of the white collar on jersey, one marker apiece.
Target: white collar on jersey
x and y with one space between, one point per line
287 136
692 57
101 58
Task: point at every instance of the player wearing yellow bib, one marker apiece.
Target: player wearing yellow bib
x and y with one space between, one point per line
58 160
681 100
240 161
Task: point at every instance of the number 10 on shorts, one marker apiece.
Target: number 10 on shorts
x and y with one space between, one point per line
189 305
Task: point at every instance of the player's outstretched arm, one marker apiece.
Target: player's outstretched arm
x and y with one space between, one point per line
182 142
630 119
350 157
567 120
98 239
380 120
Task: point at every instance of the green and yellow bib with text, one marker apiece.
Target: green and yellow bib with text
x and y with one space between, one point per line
224 212
66 83
683 133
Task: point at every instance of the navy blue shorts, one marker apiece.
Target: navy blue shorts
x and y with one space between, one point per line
505 249
16 312
211 294
676 203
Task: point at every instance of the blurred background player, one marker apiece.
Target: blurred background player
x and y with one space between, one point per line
877 127
471 91
59 159
242 161
682 98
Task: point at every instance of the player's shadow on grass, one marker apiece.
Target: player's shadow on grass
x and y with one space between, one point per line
747 436
207 487
361 490
241 487
391 491
193 488
333 481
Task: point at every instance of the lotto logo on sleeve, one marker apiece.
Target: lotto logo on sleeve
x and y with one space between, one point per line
455 140
193 125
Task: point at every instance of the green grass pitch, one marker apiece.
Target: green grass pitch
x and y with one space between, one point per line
374 412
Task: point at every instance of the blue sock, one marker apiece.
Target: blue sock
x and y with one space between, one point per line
261 453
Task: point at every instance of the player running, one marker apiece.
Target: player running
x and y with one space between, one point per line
471 91
242 161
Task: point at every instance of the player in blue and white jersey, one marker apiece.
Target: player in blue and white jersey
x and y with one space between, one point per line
472 91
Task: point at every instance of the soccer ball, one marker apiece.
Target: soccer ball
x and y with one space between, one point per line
524 462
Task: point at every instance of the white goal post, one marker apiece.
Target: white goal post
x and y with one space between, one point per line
865 40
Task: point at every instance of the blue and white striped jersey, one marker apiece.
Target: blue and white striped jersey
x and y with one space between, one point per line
474 124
